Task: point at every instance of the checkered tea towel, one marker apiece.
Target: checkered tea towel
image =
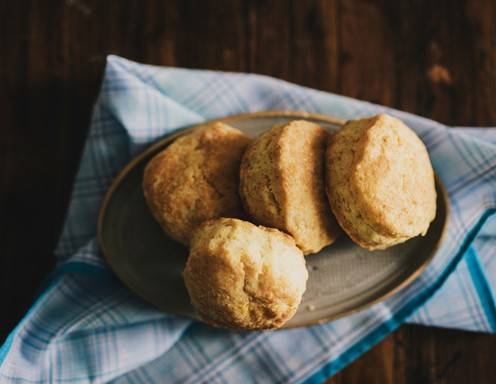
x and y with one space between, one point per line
87 327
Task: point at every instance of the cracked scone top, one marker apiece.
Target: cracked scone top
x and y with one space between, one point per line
282 184
195 179
244 276
380 182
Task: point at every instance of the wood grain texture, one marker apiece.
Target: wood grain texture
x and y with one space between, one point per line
436 59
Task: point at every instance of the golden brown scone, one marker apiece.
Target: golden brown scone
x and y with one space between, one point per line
242 276
282 184
380 182
195 179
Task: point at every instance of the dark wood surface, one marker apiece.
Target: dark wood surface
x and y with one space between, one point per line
432 58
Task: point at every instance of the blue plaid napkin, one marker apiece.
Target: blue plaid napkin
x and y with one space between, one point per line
87 327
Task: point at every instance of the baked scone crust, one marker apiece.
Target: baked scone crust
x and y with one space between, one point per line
380 182
282 184
195 179
244 276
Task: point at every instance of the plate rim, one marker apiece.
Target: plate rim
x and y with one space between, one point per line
121 175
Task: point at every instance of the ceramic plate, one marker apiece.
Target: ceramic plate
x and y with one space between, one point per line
343 278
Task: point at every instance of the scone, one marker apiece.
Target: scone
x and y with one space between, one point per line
380 182
242 276
282 184
195 179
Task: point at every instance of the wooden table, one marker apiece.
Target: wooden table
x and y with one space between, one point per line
433 58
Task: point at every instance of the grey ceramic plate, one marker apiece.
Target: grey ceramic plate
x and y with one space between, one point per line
343 278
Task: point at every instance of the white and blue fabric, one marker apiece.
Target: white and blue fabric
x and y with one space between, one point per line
87 327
